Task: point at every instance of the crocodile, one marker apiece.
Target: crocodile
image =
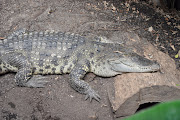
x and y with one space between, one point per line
33 54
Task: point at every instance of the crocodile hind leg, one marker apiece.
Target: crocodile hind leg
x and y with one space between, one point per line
76 82
17 62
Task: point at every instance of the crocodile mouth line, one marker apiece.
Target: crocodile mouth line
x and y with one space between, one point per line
141 68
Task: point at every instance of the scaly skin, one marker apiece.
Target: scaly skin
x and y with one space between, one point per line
44 53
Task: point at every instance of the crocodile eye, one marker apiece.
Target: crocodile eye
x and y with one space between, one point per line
98 50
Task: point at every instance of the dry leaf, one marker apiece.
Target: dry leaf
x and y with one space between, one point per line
168 23
2 38
177 26
174 32
150 29
133 8
113 8
166 19
157 37
105 4
172 46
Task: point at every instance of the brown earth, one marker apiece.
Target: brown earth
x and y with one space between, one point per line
138 25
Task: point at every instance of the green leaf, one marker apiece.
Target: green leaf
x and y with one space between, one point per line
162 111
176 56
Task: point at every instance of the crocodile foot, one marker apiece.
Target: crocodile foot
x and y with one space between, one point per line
37 81
90 93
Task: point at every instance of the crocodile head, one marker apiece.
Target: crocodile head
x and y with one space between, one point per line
132 62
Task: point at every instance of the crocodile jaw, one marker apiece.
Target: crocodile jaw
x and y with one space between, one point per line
134 63
127 68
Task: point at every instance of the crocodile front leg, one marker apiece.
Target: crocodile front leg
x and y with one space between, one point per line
79 85
17 62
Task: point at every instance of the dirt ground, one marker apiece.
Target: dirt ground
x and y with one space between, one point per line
90 18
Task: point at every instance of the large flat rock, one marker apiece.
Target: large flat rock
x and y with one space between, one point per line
134 89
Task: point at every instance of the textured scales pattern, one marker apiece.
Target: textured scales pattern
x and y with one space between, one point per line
51 52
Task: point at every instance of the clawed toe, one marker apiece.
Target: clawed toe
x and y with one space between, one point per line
91 94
